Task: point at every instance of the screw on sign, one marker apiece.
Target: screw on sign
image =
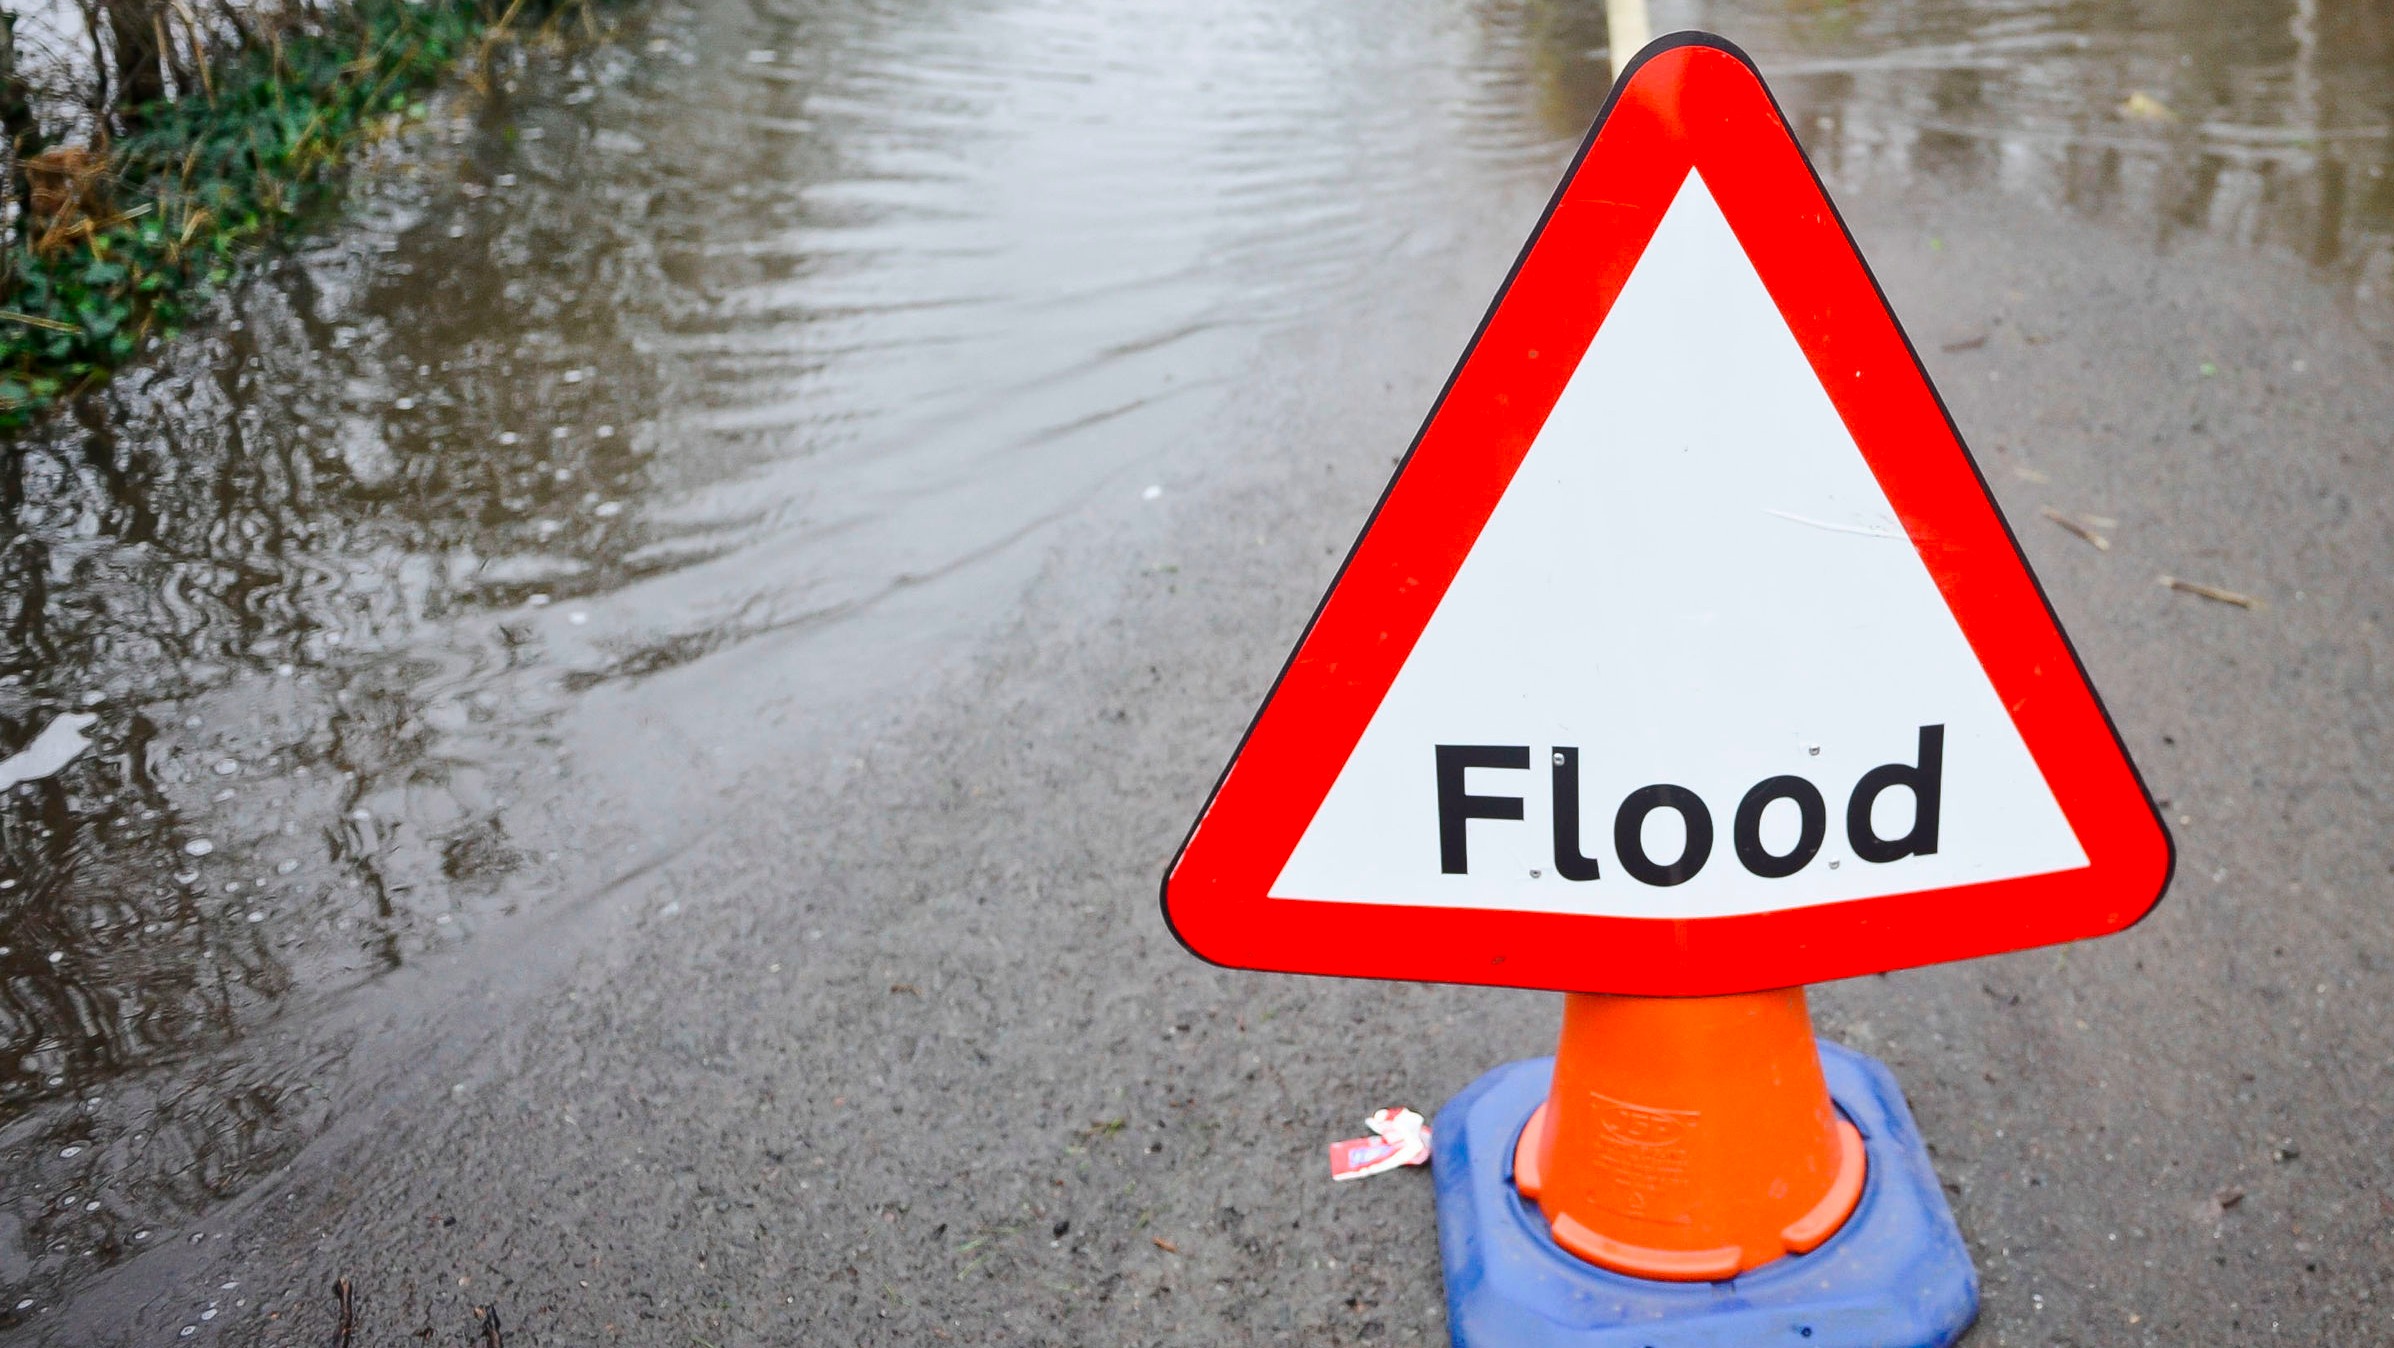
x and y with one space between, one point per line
1685 661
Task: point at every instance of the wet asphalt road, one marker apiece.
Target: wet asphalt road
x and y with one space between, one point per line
871 1033
906 1055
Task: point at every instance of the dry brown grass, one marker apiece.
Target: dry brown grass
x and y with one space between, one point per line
71 197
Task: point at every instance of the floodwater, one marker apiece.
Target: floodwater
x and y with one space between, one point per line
645 425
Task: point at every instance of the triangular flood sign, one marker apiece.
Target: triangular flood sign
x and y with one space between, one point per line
1687 652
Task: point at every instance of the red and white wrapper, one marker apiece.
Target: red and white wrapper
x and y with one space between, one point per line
1400 1137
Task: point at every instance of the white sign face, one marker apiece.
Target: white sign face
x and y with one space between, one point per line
1693 581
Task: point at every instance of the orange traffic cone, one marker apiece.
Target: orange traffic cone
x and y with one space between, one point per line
1689 1139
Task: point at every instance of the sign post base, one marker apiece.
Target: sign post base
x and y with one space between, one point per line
1895 1275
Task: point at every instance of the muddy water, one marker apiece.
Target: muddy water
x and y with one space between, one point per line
654 422
649 425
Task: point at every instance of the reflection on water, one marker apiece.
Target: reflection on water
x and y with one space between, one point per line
731 330
2265 122
750 321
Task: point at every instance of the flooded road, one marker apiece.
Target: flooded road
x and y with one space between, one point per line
656 426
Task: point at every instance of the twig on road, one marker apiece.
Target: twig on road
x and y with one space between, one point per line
2088 528
345 1296
2210 592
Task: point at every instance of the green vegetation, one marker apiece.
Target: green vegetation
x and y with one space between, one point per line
113 249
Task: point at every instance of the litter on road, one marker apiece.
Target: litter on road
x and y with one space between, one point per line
1400 1137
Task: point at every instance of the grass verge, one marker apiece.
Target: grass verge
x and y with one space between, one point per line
133 245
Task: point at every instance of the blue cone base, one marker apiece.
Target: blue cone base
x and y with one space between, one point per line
1895 1276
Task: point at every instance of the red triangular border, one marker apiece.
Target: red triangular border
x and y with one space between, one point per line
1689 100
